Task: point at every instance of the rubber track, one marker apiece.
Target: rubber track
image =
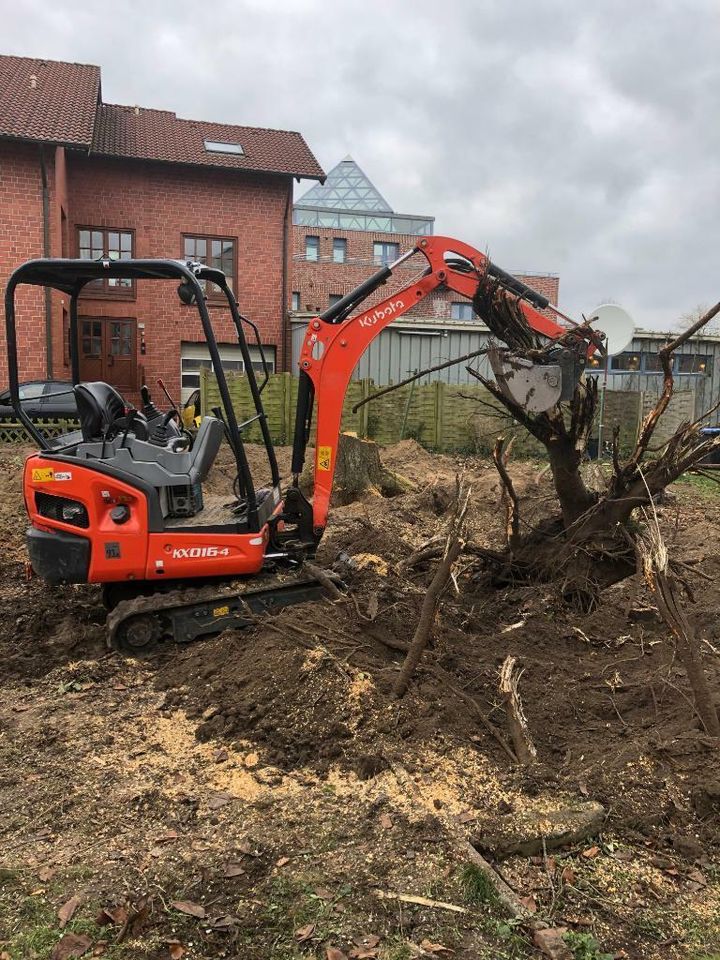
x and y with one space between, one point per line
158 602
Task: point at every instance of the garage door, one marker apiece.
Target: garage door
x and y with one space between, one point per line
195 356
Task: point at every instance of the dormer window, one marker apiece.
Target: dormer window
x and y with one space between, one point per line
217 146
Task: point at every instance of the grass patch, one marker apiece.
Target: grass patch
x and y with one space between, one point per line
585 947
476 887
704 485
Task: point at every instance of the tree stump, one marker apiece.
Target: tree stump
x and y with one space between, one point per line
358 471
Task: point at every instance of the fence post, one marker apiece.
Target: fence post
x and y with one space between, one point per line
365 409
439 408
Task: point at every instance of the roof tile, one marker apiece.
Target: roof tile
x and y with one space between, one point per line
140 133
48 100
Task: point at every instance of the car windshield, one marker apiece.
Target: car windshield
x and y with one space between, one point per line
31 391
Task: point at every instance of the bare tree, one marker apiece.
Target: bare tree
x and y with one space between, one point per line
591 543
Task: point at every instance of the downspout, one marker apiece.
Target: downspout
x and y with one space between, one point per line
286 330
46 253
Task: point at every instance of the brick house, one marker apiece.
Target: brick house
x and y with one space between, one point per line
80 177
344 229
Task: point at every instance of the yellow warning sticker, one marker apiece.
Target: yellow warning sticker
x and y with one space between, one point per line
324 458
42 474
221 611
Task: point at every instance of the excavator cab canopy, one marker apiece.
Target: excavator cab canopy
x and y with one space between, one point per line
70 276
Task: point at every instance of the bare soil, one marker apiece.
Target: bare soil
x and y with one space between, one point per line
267 780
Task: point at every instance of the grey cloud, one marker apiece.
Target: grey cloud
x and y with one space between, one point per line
578 139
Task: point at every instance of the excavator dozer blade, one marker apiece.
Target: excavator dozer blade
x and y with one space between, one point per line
534 387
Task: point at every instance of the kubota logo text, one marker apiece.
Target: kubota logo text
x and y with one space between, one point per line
370 319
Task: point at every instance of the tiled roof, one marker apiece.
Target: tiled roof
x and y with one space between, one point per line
160 135
55 102
47 100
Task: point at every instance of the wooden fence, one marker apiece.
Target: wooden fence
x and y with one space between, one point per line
440 416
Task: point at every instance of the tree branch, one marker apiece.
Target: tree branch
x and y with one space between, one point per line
416 376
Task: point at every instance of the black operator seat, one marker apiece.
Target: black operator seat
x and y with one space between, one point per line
99 407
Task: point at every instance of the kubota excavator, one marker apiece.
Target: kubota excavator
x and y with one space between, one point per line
120 502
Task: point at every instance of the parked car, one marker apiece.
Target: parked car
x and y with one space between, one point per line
42 400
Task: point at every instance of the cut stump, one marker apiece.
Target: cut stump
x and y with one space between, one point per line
358 471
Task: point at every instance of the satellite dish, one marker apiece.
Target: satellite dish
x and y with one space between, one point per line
617 325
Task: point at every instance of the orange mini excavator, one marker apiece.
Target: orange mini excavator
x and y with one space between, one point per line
120 502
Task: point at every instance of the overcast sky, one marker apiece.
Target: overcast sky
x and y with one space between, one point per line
579 139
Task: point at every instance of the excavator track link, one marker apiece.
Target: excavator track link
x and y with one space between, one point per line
136 626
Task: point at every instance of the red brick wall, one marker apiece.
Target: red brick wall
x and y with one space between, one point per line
316 281
21 237
161 203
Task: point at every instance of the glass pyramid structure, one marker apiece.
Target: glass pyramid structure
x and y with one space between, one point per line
348 200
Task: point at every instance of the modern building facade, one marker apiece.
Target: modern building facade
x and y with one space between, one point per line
81 177
343 230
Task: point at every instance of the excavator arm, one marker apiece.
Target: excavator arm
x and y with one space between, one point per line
334 342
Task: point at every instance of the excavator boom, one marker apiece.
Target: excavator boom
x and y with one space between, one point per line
334 342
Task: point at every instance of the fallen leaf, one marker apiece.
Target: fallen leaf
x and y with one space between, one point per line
591 852
67 911
99 948
233 870
187 906
282 861
168 836
116 915
360 953
155 852
44 874
246 847
583 788
697 877
323 893
177 950
568 875
551 943
529 903
385 821
429 947
220 756
467 816
304 933
332 953
251 760
224 922
71 945
219 799
369 941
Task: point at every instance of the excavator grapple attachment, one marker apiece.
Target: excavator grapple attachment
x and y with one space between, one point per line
533 386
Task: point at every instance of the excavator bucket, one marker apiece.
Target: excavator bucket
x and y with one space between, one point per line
536 387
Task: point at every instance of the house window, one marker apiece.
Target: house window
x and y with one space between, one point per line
462 310
217 252
693 363
295 300
625 362
334 298
312 248
651 363
339 250
385 253
96 243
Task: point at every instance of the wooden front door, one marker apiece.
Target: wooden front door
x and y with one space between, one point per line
108 351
